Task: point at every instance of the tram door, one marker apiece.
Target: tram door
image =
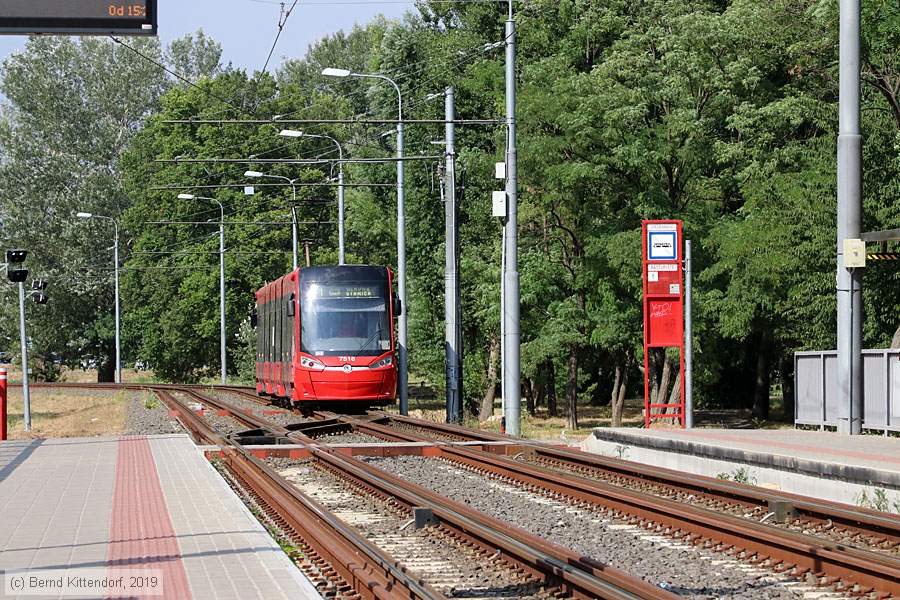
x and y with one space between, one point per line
287 333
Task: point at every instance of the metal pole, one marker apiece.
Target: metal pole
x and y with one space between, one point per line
402 374
502 332
849 217
511 275
294 229
306 251
688 341
341 211
26 392
222 296
118 314
452 337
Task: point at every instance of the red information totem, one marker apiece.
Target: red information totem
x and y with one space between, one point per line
663 308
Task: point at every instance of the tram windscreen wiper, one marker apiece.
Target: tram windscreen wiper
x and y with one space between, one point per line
375 335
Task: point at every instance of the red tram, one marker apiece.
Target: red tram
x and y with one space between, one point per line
325 336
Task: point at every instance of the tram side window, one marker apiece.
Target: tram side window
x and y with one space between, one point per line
276 306
260 331
267 352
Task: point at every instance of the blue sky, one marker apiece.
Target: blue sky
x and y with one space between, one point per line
246 28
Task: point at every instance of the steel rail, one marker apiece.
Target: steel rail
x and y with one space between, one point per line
369 570
786 548
579 576
863 521
584 578
200 429
860 520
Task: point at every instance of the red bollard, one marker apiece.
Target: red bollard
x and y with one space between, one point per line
2 403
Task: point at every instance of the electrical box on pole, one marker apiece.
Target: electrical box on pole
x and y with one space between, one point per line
663 285
854 254
498 205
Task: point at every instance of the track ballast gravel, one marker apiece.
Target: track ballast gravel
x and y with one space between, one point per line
147 415
684 570
349 438
456 570
271 413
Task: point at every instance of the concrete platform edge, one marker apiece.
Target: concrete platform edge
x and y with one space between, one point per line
850 473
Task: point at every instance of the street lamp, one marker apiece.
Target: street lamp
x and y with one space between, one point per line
401 234
115 222
292 183
222 356
293 133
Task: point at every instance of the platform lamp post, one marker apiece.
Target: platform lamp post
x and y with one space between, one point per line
115 222
403 375
293 133
222 333
293 184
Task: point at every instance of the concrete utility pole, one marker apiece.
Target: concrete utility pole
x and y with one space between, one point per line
26 392
511 272
849 220
452 329
222 342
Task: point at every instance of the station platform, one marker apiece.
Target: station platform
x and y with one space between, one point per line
148 513
858 470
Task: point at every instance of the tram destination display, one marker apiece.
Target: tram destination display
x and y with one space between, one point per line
78 17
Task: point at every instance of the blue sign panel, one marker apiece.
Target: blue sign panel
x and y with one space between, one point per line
662 245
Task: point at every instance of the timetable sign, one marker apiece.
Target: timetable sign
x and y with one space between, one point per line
662 241
78 17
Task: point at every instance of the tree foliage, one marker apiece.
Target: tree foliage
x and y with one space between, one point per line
721 113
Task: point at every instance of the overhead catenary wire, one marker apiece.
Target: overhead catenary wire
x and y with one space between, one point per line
282 21
227 223
295 161
176 75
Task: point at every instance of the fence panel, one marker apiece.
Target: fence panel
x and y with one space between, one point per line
815 380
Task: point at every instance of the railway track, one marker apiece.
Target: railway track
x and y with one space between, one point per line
560 572
832 564
686 507
857 526
334 556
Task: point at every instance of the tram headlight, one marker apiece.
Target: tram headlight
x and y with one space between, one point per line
384 362
313 365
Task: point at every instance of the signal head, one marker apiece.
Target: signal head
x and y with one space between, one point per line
16 256
17 275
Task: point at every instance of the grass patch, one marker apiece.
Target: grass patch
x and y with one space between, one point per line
67 413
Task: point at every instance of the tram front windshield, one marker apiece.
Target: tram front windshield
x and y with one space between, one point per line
345 319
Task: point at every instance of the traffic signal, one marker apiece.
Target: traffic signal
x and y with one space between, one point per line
39 285
16 256
40 298
17 275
